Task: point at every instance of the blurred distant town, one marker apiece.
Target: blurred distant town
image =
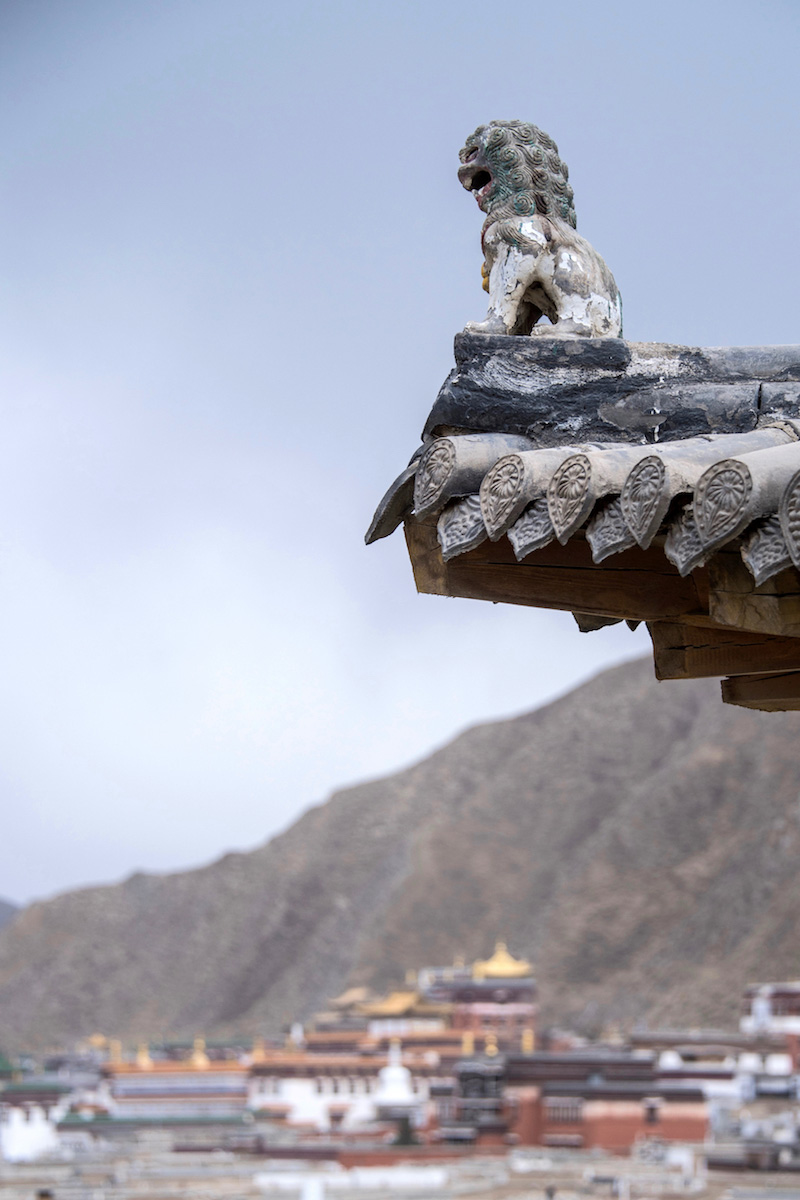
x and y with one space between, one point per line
450 1070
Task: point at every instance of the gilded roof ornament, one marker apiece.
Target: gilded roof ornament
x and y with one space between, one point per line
501 965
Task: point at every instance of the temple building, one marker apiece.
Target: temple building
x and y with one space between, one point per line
595 1099
346 1091
151 1089
771 1008
497 994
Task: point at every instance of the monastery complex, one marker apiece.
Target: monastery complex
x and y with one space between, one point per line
451 1062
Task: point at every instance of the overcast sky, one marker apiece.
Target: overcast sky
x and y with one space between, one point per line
235 256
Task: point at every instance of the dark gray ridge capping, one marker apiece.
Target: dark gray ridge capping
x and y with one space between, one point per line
559 391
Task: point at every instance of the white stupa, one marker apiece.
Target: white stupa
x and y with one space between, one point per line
394 1096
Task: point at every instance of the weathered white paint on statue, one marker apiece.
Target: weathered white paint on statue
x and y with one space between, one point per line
535 264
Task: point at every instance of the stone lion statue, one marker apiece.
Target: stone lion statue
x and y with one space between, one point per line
535 264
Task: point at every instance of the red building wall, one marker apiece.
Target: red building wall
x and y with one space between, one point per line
612 1125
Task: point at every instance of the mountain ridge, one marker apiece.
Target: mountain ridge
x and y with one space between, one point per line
639 841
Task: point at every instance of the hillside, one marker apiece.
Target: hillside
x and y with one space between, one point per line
7 911
639 841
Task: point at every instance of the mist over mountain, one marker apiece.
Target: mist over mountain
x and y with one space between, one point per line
639 841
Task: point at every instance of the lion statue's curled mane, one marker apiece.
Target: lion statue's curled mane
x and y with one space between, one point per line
535 264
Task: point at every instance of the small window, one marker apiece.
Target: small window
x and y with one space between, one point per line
563 1110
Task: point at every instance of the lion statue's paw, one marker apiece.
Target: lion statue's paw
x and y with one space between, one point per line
492 325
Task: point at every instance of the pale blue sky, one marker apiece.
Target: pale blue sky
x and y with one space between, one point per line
235 255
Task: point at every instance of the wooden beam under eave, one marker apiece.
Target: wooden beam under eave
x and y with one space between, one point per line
638 585
682 650
770 693
734 600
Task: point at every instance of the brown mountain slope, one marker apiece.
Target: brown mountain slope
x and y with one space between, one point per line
640 841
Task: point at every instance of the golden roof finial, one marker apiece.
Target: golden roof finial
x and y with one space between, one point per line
258 1054
199 1057
528 1041
501 965
490 1045
143 1060
467 1043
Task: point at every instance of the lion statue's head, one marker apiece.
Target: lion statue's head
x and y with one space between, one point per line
514 170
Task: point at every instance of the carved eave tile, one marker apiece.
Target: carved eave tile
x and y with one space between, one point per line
734 492
607 533
455 466
673 469
569 499
533 530
395 506
434 473
513 482
645 498
460 527
722 502
789 517
583 480
501 496
764 549
683 546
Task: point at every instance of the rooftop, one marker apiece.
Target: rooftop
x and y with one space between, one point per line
621 481
502 965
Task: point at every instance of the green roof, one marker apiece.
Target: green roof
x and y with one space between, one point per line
35 1085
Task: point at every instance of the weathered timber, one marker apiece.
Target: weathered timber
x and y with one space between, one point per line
590 624
772 607
429 567
641 586
562 390
685 651
768 692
